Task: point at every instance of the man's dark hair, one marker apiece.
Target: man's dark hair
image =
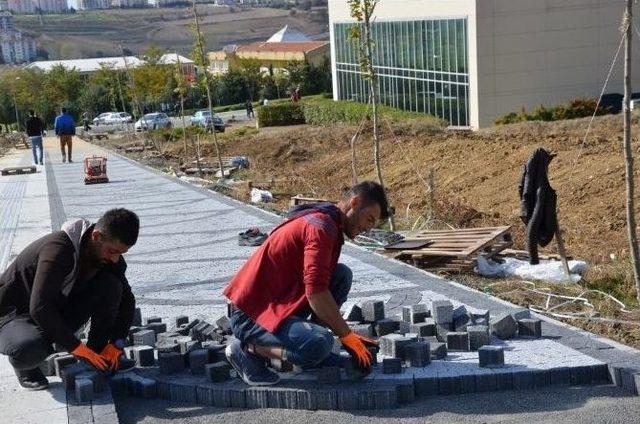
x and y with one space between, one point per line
370 192
32 112
63 110
120 224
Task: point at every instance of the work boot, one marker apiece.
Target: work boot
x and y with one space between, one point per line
251 368
70 161
64 159
32 379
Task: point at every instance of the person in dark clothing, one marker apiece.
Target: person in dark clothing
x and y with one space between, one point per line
59 282
249 108
85 121
538 203
35 128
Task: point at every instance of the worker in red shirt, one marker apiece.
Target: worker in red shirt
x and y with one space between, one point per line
293 275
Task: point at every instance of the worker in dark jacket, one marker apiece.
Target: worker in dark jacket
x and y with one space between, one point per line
35 128
59 282
538 203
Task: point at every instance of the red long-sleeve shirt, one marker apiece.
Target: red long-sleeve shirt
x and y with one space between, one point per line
296 261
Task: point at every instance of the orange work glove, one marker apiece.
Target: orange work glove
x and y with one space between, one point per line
357 345
83 352
111 354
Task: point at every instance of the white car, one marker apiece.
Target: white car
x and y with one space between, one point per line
102 118
153 121
119 118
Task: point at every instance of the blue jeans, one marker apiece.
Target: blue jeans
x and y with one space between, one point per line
304 342
36 144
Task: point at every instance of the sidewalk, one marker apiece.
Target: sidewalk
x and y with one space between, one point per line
187 249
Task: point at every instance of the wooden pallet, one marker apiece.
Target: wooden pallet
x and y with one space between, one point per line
455 249
15 170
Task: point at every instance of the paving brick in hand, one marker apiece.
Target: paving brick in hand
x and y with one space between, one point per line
63 361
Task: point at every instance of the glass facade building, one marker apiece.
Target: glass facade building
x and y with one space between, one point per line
422 66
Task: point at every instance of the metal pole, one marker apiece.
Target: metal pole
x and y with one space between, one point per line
15 107
628 156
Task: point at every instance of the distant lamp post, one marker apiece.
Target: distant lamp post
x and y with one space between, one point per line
15 106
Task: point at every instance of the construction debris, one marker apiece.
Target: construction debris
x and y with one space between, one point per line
15 170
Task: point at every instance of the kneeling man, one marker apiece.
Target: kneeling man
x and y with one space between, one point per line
293 275
59 282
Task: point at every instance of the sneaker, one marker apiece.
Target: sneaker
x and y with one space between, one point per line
64 159
41 163
249 367
70 161
32 379
251 237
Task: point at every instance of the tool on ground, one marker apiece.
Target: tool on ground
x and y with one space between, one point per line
95 170
15 170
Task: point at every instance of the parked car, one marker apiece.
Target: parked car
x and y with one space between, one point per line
153 121
203 119
119 118
102 118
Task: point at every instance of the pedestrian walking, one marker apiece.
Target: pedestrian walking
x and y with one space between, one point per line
249 108
65 129
35 128
85 121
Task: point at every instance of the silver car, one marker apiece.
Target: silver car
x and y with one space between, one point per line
203 119
153 121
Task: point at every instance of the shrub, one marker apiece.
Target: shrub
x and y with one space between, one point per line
278 114
576 108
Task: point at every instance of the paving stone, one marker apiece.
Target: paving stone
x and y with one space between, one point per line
328 375
144 338
442 311
415 314
418 354
238 398
182 392
479 316
486 382
458 341
307 401
167 336
628 380
386 326
560 376
491 356
438 350
165 346
504 380
372 310
68 373
580 375
461 318
197 360
98 379
478 336
541 378
403 328
523 380
48 366
406 392
386 343
181 319
151 320
78 413
398 344
615 375
354 372
283 398
391 366
83 390
347 399
354 313
128 352
325 400
216 351
363 329
521 314
157 327
170 362
442 330
118 383
214 396
61 362
187 347
224 324
449 385
137 318
425 386
530 328
385 398
146 388
366 398
468 383
144 356
218 371
374 355
257 397
427 328
600 374
504 326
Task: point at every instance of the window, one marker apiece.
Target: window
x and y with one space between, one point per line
421 66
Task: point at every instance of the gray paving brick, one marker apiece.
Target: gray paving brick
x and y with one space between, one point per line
523 380
504 381
442 330
438 350
354 313
415 314
426 386
449 385
384 398
238 398
354 372
144 338
427 328
68 373
325 400
458 341
217 372
363 329
182 392
529 328
442 311
214 396
166 346
257 397
48 366
171 362
328 375
628 380
197 360
478 336
83 390
486 382
283 398
79 414
491 356
461 318
403 328
144 356
224 324
521 313
406 392
181 319
98 379
479 316
372 310
504 326
391 366
146 388
468 383
61 362
306 400
157 327
105 419
386 326
152 319
560 376
118 383
580 375
386 343
398 344
347 399
599 374
418 354
137 318
541 378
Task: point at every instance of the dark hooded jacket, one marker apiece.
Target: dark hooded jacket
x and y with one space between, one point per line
538 203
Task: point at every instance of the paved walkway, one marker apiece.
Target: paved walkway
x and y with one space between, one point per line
187 249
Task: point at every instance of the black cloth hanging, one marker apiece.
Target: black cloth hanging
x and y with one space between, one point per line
538 203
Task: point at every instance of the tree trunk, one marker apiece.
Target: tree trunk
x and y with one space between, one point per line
628 156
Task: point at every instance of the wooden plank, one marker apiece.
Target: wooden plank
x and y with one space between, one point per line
480 244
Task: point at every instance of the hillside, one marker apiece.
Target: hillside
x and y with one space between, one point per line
96 33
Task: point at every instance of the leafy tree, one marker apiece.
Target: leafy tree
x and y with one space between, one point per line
62 87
